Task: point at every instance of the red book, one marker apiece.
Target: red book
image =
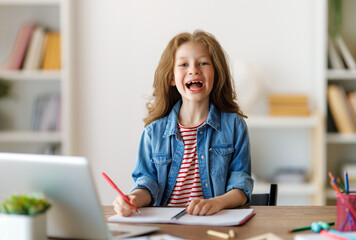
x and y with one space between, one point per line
21 43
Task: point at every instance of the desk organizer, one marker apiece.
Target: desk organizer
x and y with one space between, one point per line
346 212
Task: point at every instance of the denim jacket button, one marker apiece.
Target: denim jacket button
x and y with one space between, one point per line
206 185
202 157
201 132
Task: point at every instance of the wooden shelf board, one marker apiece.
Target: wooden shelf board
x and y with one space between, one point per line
288 188
29 2
30 137
281 122
341 74
341 138
30 75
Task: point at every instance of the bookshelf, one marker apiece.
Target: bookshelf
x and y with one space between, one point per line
296 142
17 115
308 156
341 148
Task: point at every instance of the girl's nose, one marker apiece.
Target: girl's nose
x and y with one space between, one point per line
193 70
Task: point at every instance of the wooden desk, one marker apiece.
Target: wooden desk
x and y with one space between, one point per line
277 220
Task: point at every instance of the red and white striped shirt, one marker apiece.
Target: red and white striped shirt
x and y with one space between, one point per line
188 184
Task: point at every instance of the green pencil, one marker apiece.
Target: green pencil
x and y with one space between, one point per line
307 228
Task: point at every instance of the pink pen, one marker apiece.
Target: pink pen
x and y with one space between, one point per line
119 191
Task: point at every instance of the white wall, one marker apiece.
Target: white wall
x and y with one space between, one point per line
117 45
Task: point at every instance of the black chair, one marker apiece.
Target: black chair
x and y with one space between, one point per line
265 199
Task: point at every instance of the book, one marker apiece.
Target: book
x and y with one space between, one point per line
45 115
35 50
334 56
290 175
226 217
345 53
18 52
288 99
351 98
51 57
288 104
340 109
285 110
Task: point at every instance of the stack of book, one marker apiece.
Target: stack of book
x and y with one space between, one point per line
47 113
34 48
288 105
342 107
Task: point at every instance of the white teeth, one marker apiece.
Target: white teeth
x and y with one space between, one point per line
195 82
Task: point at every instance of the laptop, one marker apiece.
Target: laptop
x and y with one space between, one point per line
67 183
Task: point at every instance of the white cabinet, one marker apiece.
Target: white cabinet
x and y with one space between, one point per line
17 109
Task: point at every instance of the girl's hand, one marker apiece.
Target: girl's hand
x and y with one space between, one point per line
123 208
204 206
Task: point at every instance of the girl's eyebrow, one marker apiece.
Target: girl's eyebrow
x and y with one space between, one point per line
183 58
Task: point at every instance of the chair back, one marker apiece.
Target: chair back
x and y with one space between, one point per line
265 199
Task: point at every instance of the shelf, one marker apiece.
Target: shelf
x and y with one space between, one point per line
30 137
289 189
29 2
341 75
281 122
38 75
341 138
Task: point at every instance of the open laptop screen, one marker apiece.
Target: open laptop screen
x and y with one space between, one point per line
66 182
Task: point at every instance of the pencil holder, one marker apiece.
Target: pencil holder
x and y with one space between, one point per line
346 212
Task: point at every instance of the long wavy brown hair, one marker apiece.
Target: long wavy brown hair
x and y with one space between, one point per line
223 94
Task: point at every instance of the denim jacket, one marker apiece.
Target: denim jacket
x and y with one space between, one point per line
223 151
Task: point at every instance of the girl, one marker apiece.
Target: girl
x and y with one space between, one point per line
194 150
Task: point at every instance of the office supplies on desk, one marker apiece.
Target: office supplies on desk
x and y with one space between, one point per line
316 236
267 236
346 175
218 234
67 183
307 228
346 206
126 199
226 217
180 214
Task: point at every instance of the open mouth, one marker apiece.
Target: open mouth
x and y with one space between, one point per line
194 85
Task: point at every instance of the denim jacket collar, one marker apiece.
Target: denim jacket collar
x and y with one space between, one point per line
172 124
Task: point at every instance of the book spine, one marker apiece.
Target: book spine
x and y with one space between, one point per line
340 110
345 53
335 59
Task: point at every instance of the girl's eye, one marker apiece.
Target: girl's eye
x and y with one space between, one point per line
182 65
204 63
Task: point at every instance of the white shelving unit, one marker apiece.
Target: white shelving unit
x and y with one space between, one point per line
296 142
341 148
16 110
303 129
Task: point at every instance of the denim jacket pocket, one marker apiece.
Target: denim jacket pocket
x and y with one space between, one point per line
161 159
162 164
220 158
222 150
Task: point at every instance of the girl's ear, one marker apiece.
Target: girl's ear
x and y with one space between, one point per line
173 83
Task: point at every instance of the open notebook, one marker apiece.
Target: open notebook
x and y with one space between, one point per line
227 217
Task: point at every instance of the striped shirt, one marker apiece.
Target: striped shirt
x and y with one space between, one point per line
188 184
